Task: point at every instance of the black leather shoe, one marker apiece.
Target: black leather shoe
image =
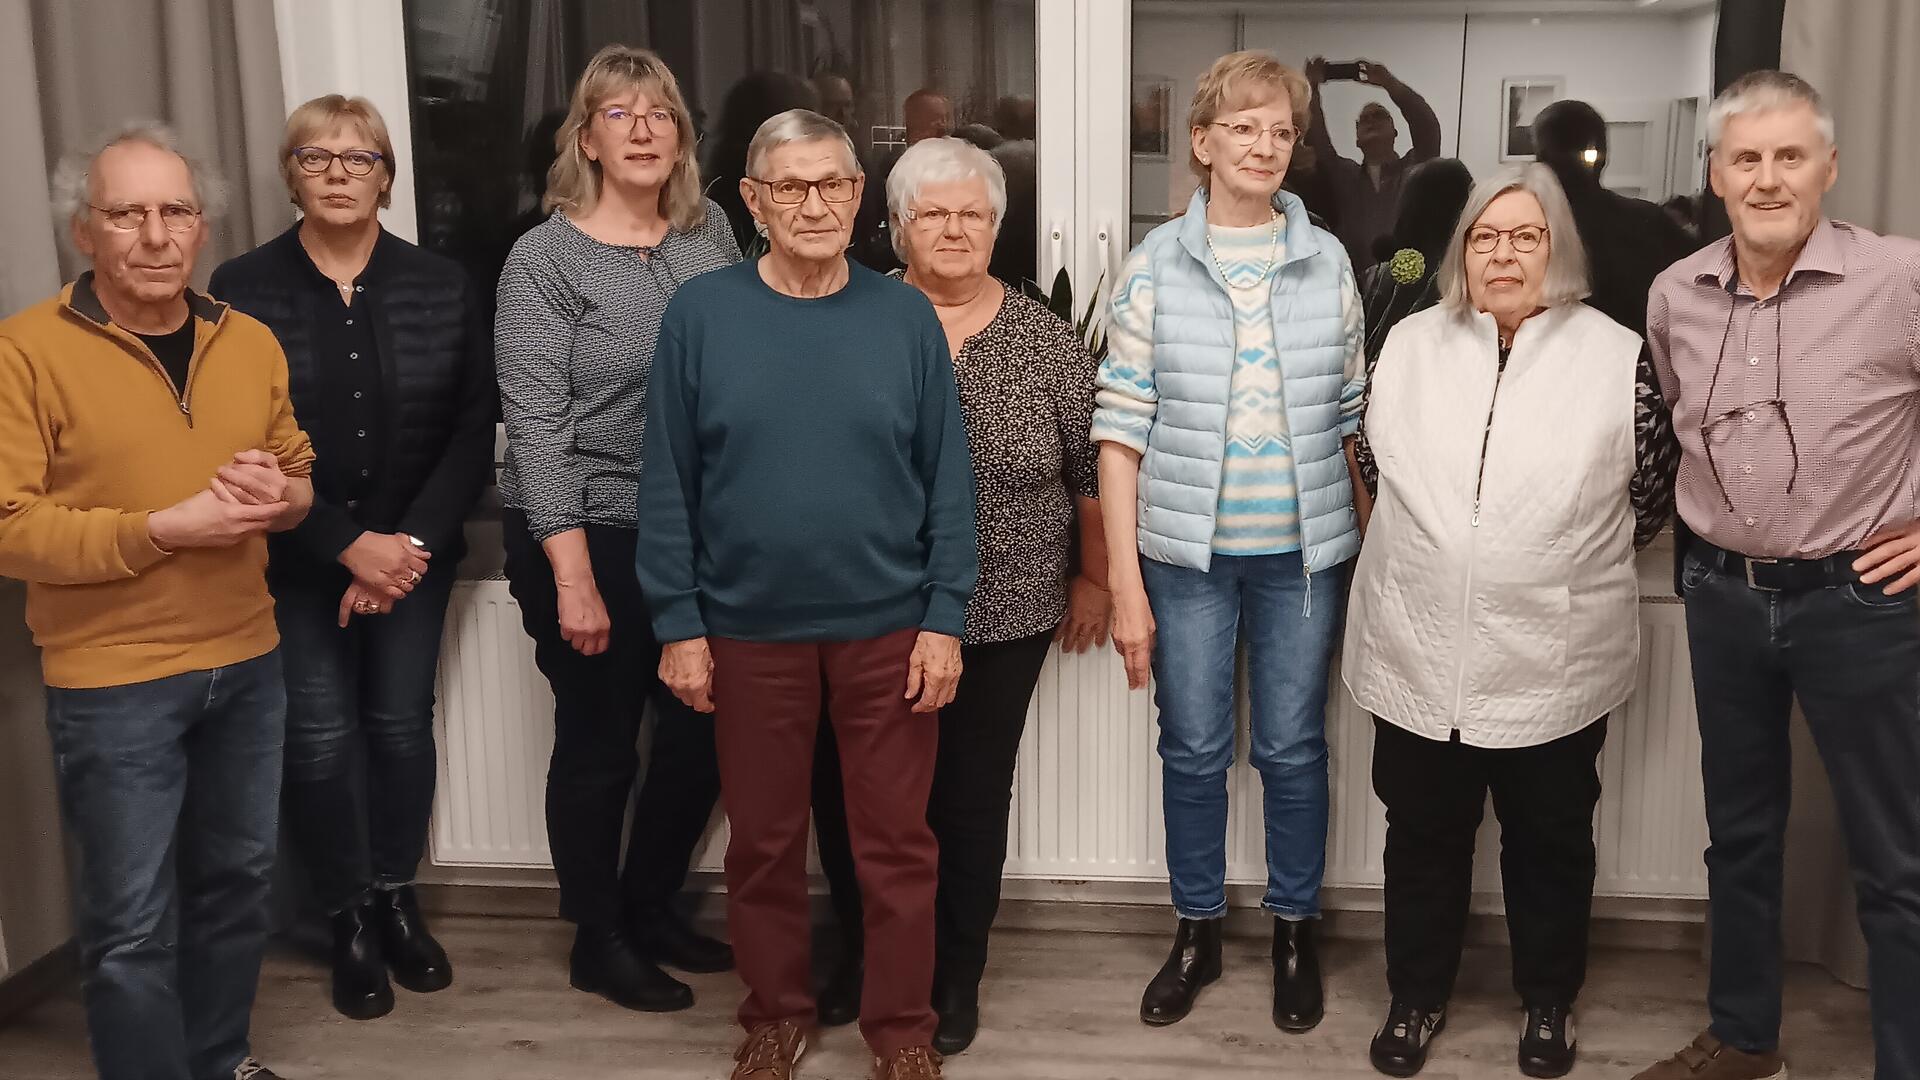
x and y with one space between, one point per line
1299 1000
667 939
1400 1046
1193 963
606 962
838 1002
360 990
417 960
1547 1042
959 1012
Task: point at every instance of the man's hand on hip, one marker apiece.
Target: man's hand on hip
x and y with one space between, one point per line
1893 557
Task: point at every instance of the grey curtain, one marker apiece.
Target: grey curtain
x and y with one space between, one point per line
72 68
1859 54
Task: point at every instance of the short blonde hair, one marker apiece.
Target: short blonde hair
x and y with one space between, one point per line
1566 280
573 183
328 113
1242 80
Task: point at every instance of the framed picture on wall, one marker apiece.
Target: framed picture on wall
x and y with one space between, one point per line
1152 113
1521 99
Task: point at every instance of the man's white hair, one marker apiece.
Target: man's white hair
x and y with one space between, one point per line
941 161
795 126
1763 91
74 174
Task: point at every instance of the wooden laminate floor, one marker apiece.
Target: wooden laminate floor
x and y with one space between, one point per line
1057 1006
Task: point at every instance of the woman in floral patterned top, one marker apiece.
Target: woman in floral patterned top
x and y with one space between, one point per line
1026 390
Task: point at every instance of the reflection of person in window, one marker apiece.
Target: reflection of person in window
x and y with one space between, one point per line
1366 193
926 114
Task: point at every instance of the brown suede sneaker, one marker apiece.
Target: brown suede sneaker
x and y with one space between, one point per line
1710 1059
913 1063
770 1052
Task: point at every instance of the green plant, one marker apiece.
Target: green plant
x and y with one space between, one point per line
1086 322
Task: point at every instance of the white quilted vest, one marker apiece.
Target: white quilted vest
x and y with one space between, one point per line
1524 627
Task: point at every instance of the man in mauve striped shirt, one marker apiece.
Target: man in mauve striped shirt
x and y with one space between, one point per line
1790 354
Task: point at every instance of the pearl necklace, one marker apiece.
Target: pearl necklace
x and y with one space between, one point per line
1273 252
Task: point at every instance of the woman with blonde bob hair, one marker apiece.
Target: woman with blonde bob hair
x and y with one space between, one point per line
1524 452
390 367
1227 410
580 301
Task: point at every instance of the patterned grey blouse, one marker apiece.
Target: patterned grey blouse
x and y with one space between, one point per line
573 344
1026 393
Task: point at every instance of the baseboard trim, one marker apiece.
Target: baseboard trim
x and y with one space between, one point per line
38 981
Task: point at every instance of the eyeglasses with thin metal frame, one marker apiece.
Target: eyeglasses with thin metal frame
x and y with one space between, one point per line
1244 134
660 122
935 218
832 189
314 160
177 217
1777 403
1526 239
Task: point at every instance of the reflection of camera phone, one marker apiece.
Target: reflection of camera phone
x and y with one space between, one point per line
1348 71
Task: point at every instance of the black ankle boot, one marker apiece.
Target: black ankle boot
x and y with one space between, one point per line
958 1008
1299 1001
360 990
417 960
668 939
1399 1048
838 1002
605 961
1193 963
1547 1042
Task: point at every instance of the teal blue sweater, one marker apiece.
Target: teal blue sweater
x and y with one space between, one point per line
805 473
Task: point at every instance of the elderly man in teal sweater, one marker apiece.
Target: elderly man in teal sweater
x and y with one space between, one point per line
806 533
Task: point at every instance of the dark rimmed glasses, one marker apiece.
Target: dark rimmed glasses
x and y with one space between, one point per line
1749 413
1526 239
833 189
177 217
314 160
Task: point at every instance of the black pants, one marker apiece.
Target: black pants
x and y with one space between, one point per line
598 705
972 794
360 753
1544 797
1852 656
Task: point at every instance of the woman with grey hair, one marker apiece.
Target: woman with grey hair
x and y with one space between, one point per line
1026 395
1524 452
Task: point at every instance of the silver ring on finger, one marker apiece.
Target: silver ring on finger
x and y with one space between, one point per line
413 577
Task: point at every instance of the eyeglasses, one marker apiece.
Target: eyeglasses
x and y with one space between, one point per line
833 189
1747 413
314 160
660 122
1525 239
177 217
1245 134
935 218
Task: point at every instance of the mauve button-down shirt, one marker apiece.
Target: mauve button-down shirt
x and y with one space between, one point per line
1841 343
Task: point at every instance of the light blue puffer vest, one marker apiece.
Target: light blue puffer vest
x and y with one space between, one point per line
1193 353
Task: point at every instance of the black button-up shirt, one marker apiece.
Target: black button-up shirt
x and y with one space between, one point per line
349 434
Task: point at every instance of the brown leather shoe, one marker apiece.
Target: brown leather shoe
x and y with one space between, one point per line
913 1063
770 1052
1710 1059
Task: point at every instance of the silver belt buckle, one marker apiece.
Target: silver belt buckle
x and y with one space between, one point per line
1752 584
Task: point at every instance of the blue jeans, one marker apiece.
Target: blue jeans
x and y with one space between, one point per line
1851 655
1200 618
170 790
360 753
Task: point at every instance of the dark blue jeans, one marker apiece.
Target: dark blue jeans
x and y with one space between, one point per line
1289 624
1852 657
360 753
170 790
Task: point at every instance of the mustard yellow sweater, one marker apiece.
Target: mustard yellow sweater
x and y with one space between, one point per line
93 437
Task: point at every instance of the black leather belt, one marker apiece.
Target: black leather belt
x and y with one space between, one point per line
1781 575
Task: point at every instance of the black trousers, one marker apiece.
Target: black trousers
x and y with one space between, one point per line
972 795
1544 797
598 704
1851 655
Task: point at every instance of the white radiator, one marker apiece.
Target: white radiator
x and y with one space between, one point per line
1087 797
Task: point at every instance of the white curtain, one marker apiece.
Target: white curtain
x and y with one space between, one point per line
1859 54
72 68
